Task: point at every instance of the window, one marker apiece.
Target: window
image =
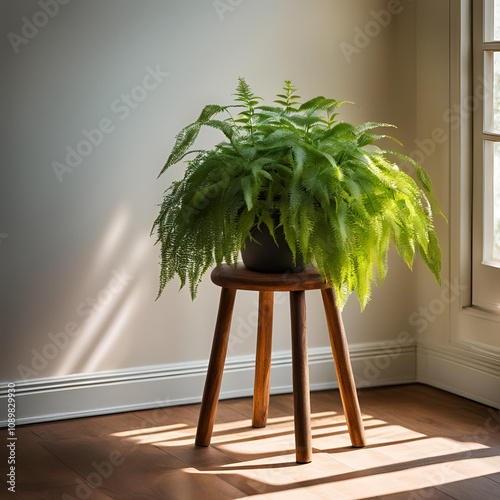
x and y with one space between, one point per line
486 146
474 333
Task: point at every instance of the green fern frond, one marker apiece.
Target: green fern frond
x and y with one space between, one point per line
339 202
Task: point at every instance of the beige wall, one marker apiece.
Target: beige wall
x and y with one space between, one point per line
67 239
433 100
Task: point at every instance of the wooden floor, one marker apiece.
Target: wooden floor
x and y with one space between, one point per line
423 443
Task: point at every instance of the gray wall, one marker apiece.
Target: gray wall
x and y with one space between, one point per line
69 235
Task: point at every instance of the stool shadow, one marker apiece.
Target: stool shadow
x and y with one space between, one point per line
291 431
293 463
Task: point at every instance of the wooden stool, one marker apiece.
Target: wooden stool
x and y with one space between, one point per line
266 284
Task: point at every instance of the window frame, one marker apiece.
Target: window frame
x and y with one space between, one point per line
473 329
485 272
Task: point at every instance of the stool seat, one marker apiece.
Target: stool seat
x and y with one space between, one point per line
230 280
243 278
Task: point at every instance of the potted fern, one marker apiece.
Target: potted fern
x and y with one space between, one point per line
296 176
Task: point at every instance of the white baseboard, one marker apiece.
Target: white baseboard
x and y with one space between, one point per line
56 398
461 372
374 364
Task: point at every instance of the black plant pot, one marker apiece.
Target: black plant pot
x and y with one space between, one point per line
264 256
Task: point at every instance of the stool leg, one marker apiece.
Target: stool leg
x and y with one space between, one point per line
301 397
263 360
215 368
344 370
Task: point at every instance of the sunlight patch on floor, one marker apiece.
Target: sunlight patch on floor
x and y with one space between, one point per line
149 430
328 475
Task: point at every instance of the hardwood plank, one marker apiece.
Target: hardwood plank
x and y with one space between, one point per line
70 492
235 410
292 494
202 458
228 419
229 425
364 460
478 462
187 414
190 484
325 478
9 494
283 404
230 422
141 471
280 427
36 467
463 417
423 474
269 476
494 477
478 487
123 466
88 427
422 441
132 470
425 493
328 401
336 438
441 446
270 442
